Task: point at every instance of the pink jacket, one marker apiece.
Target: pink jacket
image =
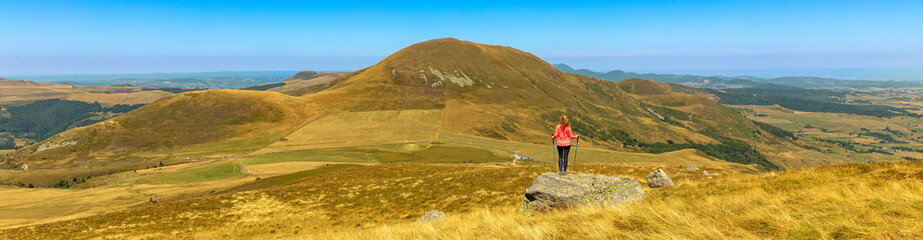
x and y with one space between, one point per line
563 135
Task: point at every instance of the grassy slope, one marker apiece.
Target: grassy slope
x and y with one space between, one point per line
188 125
189 119
880 200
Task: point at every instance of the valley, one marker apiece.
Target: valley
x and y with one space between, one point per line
899 136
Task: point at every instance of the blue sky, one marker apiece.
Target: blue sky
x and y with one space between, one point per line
77 37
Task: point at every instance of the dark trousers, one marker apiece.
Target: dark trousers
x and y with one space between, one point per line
562 158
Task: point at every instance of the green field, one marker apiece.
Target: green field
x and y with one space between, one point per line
223 170
435 153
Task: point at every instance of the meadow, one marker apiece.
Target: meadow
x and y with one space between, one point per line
879 200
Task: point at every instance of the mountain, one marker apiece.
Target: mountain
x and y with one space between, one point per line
420 93
725 82
503 93
298 81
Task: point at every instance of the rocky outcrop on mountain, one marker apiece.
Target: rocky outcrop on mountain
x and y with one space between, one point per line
551 190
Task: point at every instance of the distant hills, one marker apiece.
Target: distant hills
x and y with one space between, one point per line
201 80
724 82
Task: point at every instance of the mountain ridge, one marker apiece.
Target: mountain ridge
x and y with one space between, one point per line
721 82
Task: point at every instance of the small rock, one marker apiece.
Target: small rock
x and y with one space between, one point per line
704 173
658 179
692 168
431 216
682 173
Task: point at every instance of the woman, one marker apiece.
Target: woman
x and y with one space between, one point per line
563 135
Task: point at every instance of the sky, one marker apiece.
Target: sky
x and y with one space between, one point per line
99 37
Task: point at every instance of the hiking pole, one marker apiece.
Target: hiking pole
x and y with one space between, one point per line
554 152
575 149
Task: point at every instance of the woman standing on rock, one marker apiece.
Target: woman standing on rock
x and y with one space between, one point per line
563 135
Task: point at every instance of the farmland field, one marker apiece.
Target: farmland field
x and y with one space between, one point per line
350 129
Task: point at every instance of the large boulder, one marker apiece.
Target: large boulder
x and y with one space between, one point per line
431 216
551 190
658 179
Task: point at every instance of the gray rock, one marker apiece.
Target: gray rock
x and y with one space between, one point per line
431 216
658 179
551 190
682 173
704 173
692 168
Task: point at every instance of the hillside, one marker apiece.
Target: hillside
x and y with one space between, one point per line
32 111
189 124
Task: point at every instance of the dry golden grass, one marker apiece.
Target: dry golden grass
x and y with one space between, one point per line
381 202
117 192
280 168
883 201
345 129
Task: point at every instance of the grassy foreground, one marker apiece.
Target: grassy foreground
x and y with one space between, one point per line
883 200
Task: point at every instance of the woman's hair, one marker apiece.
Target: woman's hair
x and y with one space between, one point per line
564 121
